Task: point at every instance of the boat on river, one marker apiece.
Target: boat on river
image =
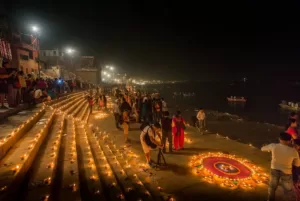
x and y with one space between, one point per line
236 99
290 105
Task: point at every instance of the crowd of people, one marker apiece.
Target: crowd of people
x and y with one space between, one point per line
18 88
157 127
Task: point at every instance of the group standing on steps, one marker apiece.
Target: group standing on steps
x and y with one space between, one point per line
157 127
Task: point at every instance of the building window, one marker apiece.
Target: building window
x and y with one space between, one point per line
26 70
54 53
30 55
21 68
44 53
24 57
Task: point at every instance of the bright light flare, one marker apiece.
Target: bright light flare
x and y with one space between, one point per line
70 50
35 28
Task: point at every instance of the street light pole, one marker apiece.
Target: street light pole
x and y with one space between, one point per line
36 30
38 58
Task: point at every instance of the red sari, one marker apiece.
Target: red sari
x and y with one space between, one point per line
178 126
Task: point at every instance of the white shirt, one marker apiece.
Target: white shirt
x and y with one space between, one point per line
283 157
201 115
150 133
38 93
116 108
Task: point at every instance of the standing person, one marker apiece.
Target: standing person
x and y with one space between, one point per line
116 110
17 90
5 75
101 102
104 101
144 110
283 158
178 127
125 124
166 123
29 82
157 107
11 95
292 129
125 106
201 121
150 139
23 85
135 110
91 103
164 105
97 95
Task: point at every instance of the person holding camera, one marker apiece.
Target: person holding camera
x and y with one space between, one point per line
150 140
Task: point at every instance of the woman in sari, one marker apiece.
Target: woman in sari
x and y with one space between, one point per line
178 127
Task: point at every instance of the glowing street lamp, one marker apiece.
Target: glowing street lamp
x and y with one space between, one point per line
111 68
108 75
35 29
70 50
104 72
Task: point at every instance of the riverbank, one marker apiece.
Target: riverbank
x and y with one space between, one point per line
177 179
234 127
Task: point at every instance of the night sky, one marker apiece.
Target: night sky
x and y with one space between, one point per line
215 40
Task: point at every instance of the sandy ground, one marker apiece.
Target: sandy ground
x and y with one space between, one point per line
177 179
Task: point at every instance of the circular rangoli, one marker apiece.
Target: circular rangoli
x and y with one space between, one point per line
228 171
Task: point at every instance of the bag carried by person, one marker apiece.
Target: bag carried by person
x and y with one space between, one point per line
148 140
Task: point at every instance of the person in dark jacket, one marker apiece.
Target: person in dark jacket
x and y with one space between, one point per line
125 106
167 131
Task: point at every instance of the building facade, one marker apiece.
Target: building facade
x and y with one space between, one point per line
25 52
5 39
51 53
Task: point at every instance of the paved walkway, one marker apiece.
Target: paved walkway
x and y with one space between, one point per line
177 179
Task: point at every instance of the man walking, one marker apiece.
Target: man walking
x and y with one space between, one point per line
283 158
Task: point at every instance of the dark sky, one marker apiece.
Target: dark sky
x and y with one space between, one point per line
215 40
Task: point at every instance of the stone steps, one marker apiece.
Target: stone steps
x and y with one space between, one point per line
18 160
75 162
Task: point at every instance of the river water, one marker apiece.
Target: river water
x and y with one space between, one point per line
261 106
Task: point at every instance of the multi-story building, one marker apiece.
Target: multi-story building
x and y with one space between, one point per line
54 61
25 52
51 53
